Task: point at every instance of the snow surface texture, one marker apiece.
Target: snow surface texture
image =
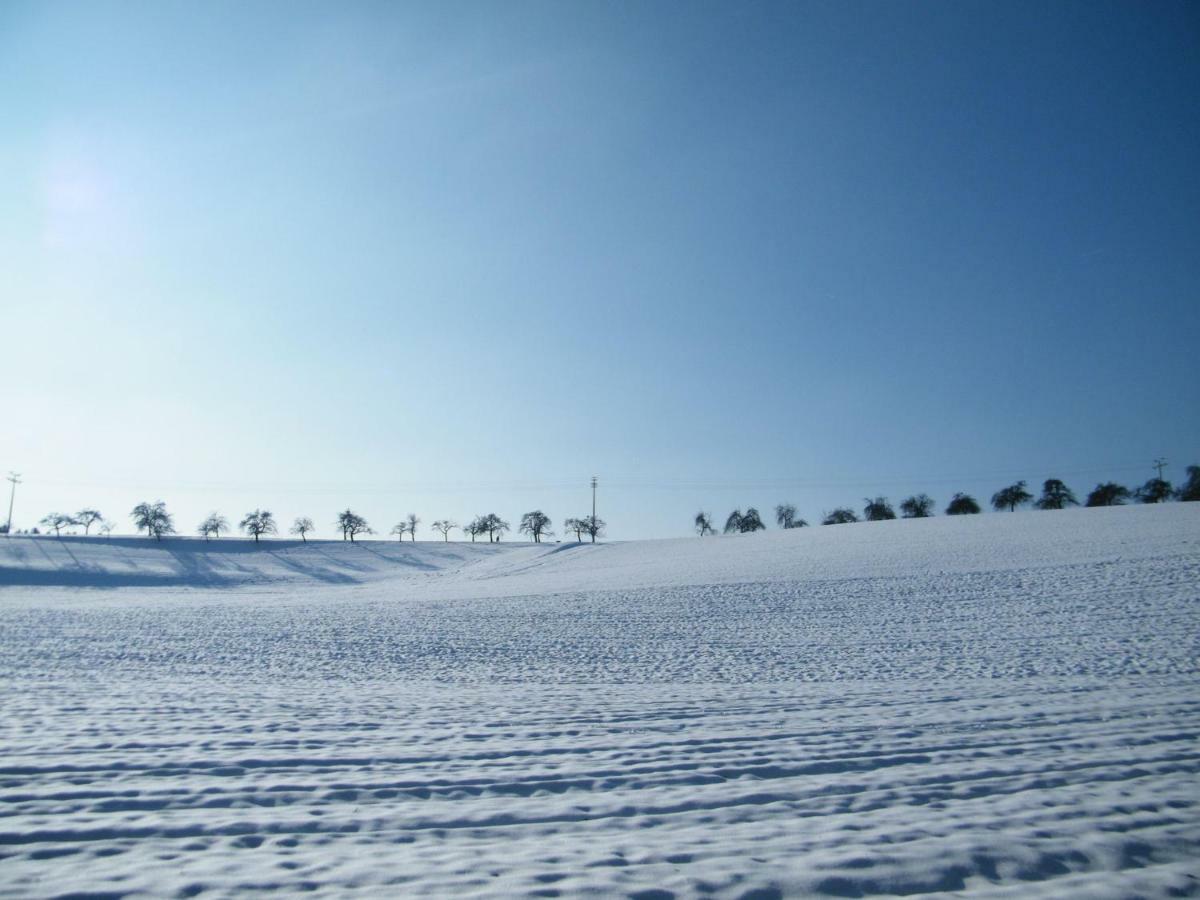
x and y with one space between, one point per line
1000 706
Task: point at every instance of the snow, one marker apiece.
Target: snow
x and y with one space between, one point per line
1003 705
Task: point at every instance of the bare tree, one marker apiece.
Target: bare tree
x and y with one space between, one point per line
57 521
412 522
1011 497
445 526
1189 491
213 526
593 527
351 523
751 521
962 505
703 523
258 523
1156 490
840 516
87 518
494 526
154 518
785 516
535 524
399 530
302 526
1055 495
106 527
878 509
918 506
733 524
475 528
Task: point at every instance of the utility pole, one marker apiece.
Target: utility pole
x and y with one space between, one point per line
593 498
1160 464
15 478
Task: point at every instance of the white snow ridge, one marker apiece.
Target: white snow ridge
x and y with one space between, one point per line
1002 705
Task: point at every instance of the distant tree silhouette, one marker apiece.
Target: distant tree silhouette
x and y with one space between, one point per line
154 518
57 521
494 526
475 528
87 518
535 524
733 524
751 521
918 506
962 505
212 526
593 527
1055 495
1189 491
258 523
703 523
1108 493
412 521
840 516
445 526
302 526
573 525
785 516
1011 497
399 529
878 509
1156 490
352 524
106 527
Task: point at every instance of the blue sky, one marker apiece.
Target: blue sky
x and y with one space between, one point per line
453 258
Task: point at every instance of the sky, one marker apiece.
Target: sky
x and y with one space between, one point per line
454 258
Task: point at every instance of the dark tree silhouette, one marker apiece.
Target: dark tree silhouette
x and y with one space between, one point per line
1189 491
258 523
962 505
733 524
878 509
535 524
1055 495
593 527
445 526
412 522
1156 490
154 518
918 506
1011 497
494 526
840 516
1108 493
87 518
703 523
399 529
302 526
475 528
575 525
751 521
213 526
785 516
351 524
57 521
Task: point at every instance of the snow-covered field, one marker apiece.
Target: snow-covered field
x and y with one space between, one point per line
998 705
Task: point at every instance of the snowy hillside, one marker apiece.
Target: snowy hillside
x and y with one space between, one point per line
998 705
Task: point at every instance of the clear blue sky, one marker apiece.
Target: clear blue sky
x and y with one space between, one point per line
453 258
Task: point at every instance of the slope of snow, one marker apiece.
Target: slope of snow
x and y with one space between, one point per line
1001 705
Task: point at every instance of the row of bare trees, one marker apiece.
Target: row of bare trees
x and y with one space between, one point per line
1055 495
156 521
